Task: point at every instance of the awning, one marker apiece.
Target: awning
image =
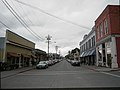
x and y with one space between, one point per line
93 52
88 53
13 54
84 54
81 55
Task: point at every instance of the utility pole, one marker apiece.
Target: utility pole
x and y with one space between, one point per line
48 40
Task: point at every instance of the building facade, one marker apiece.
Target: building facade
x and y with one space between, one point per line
2 48
108 37
40 55
87 48
16 50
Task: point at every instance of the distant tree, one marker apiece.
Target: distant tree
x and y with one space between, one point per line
70 53
74 50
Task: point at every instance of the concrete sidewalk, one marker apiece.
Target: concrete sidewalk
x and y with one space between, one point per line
100 69
5 74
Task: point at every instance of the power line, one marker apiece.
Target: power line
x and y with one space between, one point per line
25 23
4 24
15 15
19 11
52 15
20 20
3 18
27 18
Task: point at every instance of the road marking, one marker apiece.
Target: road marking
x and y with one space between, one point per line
47 74
111 74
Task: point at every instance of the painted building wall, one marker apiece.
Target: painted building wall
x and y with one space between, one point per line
112 14
18 44
17 49
15 38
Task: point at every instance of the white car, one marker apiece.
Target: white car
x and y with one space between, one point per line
42 64
75 62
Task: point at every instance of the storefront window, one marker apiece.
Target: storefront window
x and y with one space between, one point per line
13 60
105 27
104 54
17 59
98 33
100 55
108 54
100 30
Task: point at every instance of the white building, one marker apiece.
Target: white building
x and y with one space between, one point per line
87 48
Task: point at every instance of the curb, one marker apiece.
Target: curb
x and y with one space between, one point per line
115 70
102 70
92 69
17 73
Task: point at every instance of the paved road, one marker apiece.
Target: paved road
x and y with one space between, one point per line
62 75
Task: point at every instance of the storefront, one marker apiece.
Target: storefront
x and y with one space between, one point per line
108 37
88 48
107 53
17 51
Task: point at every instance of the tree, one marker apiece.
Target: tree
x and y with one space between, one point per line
70 54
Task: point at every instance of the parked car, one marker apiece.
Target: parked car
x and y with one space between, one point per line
47 62
75 62
42 64
50 62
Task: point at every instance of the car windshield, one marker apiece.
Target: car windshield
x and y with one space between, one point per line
42 62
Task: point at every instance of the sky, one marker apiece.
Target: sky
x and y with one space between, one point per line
66 21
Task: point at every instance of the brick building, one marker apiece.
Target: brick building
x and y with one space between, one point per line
108 37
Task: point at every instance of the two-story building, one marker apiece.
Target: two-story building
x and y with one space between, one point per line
87 48
40 55
108 37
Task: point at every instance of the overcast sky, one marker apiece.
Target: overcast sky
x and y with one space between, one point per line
66 35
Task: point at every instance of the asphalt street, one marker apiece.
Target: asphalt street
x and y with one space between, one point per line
62 75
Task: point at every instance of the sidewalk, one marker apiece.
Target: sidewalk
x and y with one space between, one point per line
5 74
100 69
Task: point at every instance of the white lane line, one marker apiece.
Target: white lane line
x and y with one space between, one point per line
47 74
111 74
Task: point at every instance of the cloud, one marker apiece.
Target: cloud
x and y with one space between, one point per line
66 35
